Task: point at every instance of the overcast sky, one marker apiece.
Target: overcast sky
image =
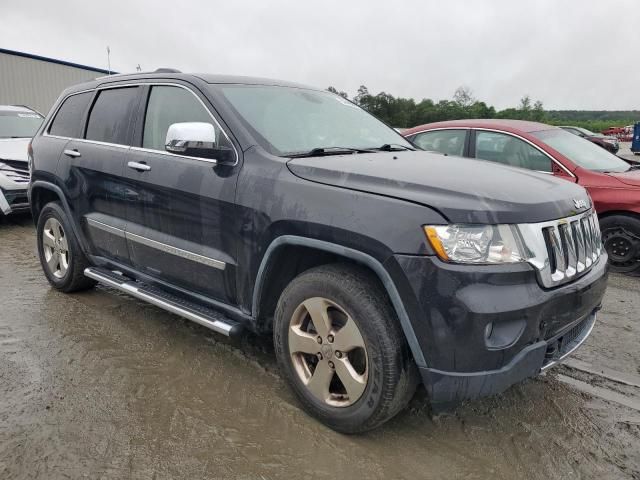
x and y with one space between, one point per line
571 54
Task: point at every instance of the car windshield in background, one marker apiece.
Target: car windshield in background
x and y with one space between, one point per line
290 121
586 132
14 124
582 152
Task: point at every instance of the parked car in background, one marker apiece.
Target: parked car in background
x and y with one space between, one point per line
614 185
255 204
17 125
609 143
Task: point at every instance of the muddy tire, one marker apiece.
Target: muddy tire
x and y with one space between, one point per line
341 349
621 238
62 260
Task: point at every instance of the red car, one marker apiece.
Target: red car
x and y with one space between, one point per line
614 185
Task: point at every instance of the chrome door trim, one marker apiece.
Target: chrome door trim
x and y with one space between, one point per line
142 149
118 232
163 247
178 252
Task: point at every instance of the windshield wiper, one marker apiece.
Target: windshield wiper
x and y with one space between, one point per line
321 151
393 147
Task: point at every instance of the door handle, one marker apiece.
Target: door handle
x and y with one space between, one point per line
72 153
141 167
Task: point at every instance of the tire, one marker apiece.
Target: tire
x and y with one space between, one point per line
381 374
621 238
61 257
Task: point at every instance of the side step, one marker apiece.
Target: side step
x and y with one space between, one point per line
207 317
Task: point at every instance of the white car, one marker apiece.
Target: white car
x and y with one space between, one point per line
17 125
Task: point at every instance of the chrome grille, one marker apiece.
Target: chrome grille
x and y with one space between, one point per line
562 250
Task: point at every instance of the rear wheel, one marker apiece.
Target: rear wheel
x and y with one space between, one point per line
62 260
341 349
621 238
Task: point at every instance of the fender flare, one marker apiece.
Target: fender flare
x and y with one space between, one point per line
65 205
359 257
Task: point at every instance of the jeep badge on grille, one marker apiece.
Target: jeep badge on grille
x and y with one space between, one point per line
579 203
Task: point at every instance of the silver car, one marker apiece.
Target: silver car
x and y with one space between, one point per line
17 125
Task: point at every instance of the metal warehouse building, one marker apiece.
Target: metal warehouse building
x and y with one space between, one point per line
36 81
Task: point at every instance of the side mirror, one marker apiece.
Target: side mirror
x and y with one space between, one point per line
195 139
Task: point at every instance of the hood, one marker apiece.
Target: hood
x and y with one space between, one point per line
631 177
14 149
463 190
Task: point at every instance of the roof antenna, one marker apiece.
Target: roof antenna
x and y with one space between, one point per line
109 59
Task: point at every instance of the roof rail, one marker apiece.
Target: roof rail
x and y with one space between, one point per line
167 70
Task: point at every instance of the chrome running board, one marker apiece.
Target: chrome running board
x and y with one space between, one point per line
207 317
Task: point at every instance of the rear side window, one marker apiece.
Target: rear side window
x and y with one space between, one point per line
68 120
111 118
450 142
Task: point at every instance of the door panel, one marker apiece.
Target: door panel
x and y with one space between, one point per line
180 209
177 212
95 188
93 167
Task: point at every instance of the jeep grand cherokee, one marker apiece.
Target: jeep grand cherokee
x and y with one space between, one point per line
253 204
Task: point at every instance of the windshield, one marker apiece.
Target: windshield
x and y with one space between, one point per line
586 132
291 121
14 124
582 152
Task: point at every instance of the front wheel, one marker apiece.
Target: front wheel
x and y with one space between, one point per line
341 349
62 260
621 238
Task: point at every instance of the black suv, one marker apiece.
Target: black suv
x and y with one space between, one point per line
253 204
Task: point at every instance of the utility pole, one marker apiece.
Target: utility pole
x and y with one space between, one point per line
109 59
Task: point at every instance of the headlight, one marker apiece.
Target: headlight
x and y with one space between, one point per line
477 243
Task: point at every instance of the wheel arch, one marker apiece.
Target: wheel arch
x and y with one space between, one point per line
330 252
619 213
41 193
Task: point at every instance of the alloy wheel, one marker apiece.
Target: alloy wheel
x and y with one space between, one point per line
55 247
328 352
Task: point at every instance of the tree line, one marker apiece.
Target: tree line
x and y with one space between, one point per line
406 112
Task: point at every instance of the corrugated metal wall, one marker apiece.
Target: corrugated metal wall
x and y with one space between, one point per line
36 83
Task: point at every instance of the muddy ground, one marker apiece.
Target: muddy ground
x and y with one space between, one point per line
99 385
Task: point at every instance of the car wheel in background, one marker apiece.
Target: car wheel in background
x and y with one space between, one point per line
621 238
341 348
62 260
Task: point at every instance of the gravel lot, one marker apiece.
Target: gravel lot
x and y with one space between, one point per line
99 385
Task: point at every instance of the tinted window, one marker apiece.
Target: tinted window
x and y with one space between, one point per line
68 120
450 142
111 118
168 105
509 150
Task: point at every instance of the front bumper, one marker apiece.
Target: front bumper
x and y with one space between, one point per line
14 201
452 387
483 328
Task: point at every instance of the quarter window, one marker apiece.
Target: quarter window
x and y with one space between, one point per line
111 118
449 142
68 120
509 150
168 105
